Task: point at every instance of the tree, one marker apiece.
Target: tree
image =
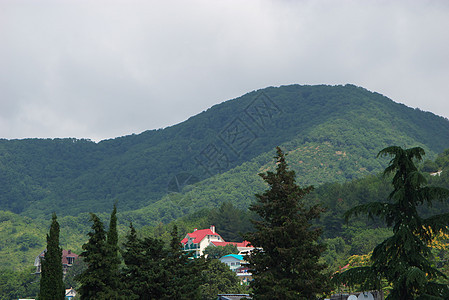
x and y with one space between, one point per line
404 259
219 279
112 257
285 263
51 284
184 271
94 280
144 274
231 221
219 251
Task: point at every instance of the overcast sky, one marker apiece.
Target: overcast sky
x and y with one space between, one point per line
102 69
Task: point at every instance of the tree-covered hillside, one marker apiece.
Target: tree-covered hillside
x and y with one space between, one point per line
331 132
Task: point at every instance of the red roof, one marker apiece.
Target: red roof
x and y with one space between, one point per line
198 235
65 254
242 244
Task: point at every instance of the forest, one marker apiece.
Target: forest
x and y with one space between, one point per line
161 178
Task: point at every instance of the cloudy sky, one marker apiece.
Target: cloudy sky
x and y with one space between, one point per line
102 69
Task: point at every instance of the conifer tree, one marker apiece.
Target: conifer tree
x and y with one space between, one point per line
285 263
183 272
144 275
113 256
404 259
94 280
51 284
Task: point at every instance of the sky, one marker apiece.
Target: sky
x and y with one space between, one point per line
102 69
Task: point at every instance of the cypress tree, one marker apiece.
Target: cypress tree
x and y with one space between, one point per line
113 256
51 284
285 263
404 260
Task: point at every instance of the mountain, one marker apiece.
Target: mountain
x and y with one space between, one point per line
332 133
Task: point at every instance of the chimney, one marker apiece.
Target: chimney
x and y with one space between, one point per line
195 229
69 252
212 228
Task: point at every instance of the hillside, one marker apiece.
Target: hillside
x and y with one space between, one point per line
331 132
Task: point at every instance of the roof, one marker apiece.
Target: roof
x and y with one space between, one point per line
222 244
65 254
198 235
236 256
233 296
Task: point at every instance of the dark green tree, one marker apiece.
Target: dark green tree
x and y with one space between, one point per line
404 260
144 275
219 279
51 284
230 221
94 280
113 256
285 263
184 272
215 252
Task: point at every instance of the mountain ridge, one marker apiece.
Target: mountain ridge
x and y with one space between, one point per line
136 170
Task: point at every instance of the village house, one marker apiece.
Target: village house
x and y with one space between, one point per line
198 240
68 259
238 265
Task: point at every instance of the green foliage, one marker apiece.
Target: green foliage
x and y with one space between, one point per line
285 239
216 252
184 272
113 260
94 281
231 221
73 272
405 258
38 176
18 284
219 279
51 284
144 275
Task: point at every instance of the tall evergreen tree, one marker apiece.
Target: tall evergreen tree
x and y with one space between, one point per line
94 281
51 284
113 256
144 275
183 272
285 263
404 259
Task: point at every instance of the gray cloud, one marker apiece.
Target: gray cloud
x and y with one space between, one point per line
101 69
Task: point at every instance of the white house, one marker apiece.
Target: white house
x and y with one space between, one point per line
198 240
234 261
237 264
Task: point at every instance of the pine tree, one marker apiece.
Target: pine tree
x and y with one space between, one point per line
51 284
285 263
404 259
94 279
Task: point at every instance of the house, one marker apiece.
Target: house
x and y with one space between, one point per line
70 294
198 240
68 259
237 264
243 247
233 296
233 261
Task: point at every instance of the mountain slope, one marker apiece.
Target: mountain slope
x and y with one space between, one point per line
344 126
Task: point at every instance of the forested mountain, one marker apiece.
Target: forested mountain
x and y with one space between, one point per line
332 133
